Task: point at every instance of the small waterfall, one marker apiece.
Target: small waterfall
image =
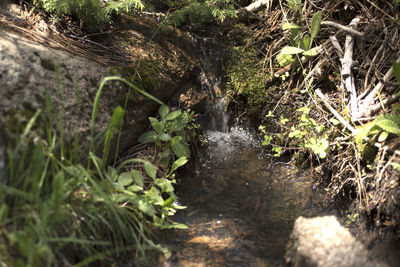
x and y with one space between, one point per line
210 81
219 116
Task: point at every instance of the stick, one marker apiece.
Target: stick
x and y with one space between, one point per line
347 29
347 77
364 107
334 112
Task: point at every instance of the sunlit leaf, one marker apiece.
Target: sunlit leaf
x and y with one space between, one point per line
311 53
287 26
334 121
396 166
284 60
291 50
178 163
146 207
155 196
315 23
382 137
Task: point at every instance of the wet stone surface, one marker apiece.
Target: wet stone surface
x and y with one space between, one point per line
241 206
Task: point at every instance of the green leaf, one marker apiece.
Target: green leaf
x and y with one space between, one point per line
151 170
178 163
389 123
148 137
138 178
135 188
163 111
291 50
175 140
165 137
311 53
146 207
382 137
294 3
289 26
173 115
174 225
396 70
156 124
395 166
315 23
155 196
181 150
125 179
165 185
168 201
306 42
334 121
284 60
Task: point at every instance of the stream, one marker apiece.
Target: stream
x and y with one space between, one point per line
241 203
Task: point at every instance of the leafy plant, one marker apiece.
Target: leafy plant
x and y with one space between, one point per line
93 14
53 209
197 13
382 125
305 133
302 44
169 134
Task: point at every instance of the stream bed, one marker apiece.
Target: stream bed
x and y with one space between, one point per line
241 205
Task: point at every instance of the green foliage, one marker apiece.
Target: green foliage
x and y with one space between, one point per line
169 134
246 80
379 128
200 12
396 71
304 132
54 209
301 43
93 14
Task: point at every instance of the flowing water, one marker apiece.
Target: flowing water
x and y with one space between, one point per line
241 205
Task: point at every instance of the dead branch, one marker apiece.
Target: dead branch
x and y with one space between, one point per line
347 29
366 103
347 77
334 112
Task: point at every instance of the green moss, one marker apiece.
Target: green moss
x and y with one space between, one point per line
245 81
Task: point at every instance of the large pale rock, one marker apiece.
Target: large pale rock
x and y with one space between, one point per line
322 241
33 70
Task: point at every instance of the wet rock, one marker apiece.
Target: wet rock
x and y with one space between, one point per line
322 241
194 100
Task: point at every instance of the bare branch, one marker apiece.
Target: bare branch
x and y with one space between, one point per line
334 112
347 29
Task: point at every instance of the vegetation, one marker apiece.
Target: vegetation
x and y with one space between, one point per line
196 13
317 105
92 14
321 91
54 209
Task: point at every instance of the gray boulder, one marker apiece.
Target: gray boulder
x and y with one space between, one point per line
322 241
